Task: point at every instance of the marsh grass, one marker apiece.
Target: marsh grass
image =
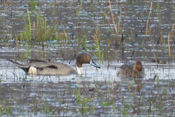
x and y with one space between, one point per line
84 42
46 108
169 46
32 4
148 20
116 26
4 108
96 38
4 41
5 2
101 100
39 31
132 1
85 108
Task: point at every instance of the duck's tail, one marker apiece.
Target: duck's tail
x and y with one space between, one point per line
23 67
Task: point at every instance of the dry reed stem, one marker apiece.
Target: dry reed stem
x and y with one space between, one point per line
65 34
155 54
34 30
169 46
116 26
172 29
112 18
147 23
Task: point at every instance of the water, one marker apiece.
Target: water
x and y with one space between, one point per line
99 92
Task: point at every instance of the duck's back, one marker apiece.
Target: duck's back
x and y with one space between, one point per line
125 70
52 68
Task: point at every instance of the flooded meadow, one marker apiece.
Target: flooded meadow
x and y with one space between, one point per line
113 32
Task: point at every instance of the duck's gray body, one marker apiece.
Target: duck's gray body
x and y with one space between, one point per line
46 68
36 67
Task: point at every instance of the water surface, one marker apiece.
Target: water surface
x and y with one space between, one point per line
145 32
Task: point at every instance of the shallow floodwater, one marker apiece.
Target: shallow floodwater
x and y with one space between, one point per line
99 92
145 32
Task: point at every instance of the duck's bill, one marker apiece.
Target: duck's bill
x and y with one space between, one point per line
94 64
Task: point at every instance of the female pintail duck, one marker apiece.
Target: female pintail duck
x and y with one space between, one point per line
134 70
40 67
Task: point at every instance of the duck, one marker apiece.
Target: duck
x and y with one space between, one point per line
42 67
134 70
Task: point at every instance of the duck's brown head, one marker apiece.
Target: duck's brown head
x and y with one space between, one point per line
85 58
137 69
138 66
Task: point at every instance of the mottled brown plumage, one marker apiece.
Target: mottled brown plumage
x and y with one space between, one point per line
134 70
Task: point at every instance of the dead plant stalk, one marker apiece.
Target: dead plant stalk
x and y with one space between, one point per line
147 23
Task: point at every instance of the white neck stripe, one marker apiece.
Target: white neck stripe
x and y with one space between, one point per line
79 70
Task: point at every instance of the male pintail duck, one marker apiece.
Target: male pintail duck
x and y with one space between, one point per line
40 67
134 70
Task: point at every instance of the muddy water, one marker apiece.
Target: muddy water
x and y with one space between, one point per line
148 32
